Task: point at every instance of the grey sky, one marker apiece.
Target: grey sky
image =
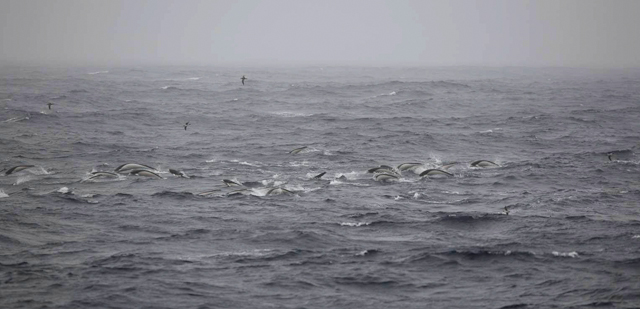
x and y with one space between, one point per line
360 32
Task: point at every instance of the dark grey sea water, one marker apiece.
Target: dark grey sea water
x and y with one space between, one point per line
571 238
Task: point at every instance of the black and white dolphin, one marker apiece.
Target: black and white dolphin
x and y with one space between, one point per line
319 175
146 173
384 169
409 166
133 166
231 183
18 168
483 163
178 173
99 174
434 171
385 177
297 150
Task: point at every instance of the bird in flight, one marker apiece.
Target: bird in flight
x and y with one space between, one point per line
243 78
49 105
186 125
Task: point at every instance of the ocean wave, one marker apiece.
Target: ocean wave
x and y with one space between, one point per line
354 224
16 119
172 194
98 72
289 114
571 254
3 194
477 254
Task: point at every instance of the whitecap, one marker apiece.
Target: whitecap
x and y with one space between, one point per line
636 236
63 190
295 163
98 72
291 114
2 194
354 224
572 254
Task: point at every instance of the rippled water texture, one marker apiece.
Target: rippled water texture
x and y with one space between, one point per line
554 224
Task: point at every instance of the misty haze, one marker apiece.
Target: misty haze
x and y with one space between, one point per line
319 154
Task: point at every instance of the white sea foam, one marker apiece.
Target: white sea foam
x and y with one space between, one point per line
63 190
291 114
572 254
98 72
16 119
2 194
297 163
354 224
23 179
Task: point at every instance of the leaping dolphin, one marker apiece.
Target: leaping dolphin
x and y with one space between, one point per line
178 173
103 174
319 175
483 163
18 168
231 183
132 166
383 169
385 177
434 171
408 166
146 173
297 150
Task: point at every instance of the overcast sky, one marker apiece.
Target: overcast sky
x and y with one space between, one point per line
571 33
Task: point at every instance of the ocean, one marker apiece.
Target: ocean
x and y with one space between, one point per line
554 223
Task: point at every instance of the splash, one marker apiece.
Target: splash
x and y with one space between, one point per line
572 254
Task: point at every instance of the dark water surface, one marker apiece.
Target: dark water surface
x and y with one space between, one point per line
571 238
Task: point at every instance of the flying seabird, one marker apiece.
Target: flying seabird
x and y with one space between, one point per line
186 125
243 78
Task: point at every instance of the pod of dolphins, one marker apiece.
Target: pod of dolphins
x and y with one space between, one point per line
382 173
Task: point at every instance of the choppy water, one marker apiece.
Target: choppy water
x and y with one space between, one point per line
571 238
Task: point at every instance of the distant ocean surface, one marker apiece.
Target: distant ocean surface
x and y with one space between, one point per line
556 224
